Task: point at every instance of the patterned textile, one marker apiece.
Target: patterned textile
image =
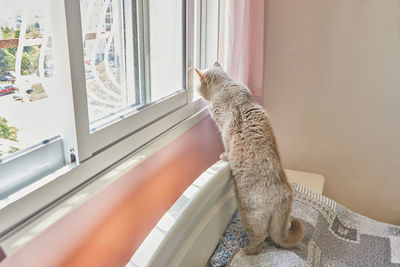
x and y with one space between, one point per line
333 236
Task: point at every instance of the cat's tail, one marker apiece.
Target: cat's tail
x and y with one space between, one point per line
279 229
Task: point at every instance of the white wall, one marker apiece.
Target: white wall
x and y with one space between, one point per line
332 89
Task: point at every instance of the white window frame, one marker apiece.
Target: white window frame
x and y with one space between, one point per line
91 143
208 34
95 160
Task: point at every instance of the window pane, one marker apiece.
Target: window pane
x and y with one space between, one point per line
29 95
166 47
104 30
115 73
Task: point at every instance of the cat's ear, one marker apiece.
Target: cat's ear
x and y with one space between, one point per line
199 73
217 65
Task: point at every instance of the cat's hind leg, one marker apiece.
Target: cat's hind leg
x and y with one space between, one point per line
256 228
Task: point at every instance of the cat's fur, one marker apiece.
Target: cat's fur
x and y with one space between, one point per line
262 189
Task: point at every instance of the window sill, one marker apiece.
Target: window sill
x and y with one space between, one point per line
104 169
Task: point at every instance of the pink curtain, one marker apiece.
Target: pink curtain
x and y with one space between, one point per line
241 43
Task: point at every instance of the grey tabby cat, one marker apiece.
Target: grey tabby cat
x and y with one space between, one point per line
262 189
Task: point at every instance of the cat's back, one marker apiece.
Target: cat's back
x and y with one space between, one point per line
253 148
248 128
255 124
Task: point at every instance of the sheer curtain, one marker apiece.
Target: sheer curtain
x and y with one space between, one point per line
241 42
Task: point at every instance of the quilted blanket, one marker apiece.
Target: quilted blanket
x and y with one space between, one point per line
333 236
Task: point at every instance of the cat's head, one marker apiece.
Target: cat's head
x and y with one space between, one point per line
212 80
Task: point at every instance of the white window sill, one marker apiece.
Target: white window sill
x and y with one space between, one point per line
127 154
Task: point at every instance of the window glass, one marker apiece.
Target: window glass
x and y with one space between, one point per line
29 96
166 47
103 28
133 56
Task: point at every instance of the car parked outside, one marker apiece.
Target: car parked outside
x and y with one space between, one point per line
7 78
11 73
8 89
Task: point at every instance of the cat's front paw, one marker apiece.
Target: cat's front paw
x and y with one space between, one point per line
224 156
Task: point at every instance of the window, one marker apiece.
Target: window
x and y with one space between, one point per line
29 87
84 83
126 65
108 60
36 112
135 67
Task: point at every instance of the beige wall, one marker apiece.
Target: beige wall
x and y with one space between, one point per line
332 89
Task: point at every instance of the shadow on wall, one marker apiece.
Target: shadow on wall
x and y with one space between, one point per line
332 92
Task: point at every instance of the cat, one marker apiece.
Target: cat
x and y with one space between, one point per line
262 190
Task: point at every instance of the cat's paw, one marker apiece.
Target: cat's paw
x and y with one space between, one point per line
224 156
